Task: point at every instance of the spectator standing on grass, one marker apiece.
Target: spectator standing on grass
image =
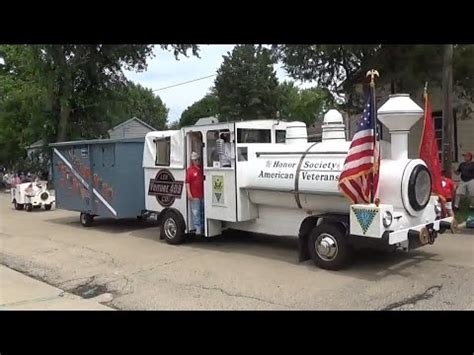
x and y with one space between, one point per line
466 186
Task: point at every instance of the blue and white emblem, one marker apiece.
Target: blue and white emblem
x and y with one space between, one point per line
365 217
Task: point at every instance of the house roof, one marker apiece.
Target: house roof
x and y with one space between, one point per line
99 141
130 120
37 144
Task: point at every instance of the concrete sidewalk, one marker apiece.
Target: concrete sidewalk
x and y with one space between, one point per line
21 292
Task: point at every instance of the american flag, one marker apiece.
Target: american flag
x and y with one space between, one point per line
359 177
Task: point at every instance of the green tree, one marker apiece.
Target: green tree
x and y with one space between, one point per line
405 67
307 105
133 100
173 125
246 84
23 109
58 92
289 97
206 107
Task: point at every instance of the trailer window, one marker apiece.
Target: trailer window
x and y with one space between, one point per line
223 160
163 149
280 136
245 135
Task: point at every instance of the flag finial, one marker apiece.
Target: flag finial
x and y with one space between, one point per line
372 73
425 93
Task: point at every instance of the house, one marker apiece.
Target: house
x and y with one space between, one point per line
132 128
34 148
462 129
315 132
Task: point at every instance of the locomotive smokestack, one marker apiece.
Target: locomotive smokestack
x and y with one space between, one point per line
296 133
333 126
399 114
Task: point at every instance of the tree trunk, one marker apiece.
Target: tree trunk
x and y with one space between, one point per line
447 107
64 113
64 95
393 86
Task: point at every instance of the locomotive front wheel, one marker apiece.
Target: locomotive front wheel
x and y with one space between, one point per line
329 247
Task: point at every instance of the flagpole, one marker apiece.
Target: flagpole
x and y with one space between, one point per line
425 96
372 73
425 106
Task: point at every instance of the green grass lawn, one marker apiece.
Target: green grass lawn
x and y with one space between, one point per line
464 211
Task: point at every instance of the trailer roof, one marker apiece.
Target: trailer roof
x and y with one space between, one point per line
268 120
99 141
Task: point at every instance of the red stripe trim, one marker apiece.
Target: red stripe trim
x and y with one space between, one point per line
354 171
359 155
364 140
358 189
348 193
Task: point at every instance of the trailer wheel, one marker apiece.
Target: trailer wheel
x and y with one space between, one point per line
47 207
29 207
172 227
328 246
18 206
86 219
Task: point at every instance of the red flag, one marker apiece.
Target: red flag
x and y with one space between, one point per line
429 151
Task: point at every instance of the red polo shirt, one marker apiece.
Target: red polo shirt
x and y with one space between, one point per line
448 188
195 179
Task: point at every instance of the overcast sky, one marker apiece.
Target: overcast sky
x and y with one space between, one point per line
164 70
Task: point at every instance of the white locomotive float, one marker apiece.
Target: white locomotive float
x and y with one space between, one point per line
31 195
280 184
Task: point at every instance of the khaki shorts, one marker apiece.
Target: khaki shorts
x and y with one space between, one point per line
466 188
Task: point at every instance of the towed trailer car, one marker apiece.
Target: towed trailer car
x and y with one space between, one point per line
102 177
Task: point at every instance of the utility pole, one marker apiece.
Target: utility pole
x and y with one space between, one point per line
447 108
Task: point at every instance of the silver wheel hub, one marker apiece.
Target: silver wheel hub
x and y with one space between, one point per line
326 247
170 228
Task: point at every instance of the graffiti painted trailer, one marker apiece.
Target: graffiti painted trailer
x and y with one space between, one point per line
101 177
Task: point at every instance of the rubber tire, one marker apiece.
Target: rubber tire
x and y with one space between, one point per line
47 207
29 207
180 226
86 219
18 206
345 251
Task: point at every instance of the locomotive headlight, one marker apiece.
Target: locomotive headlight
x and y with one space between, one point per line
387 219
419 187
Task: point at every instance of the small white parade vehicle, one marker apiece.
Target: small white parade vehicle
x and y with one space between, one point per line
31 195
278 183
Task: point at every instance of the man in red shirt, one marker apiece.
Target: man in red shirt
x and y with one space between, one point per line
195 192
449 187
